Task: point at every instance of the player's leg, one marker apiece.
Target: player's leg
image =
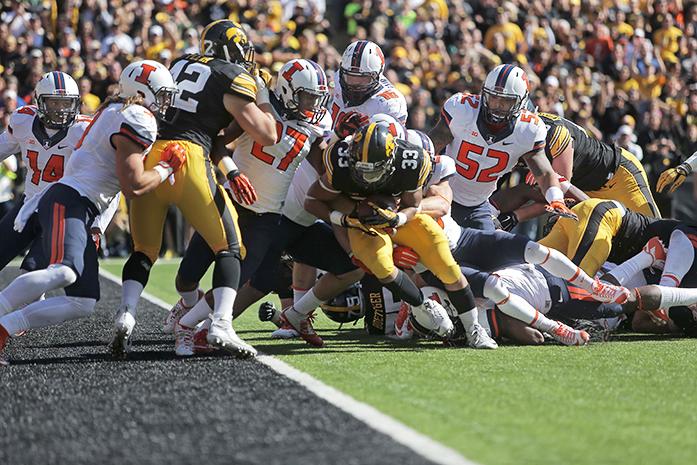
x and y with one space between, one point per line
477 217
680 256
209 210
13 243
429 241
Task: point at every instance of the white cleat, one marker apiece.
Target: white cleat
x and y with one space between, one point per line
286 331
120 344
569 336
183 341
222 336
609 293
175 313
477 338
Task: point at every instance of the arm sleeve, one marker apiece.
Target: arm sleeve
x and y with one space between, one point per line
558 139
448 110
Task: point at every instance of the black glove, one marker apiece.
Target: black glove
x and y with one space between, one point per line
506 221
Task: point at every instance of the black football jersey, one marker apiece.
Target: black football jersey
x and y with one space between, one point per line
636 230
198 113
594 161
412 167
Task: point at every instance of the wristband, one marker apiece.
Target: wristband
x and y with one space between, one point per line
164 170
337 218
691 162
262 93
226 165
401 219
554 194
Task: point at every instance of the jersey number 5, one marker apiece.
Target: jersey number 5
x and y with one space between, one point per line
468 168
299 140
53 170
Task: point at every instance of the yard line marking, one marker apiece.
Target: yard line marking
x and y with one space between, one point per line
421 445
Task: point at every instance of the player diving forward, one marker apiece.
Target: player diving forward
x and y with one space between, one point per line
108 159
216 87
375 162
486 135
46 135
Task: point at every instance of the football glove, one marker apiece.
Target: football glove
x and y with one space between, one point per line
559 208
174 155
348 123
96 237
506 221
263 74
673 178
241 188
382 218
405 257
355 223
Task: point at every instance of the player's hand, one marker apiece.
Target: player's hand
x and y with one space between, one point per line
348 123
96 237
530 179
405 257
559 208
659 316
673 178
355 223
241 188
262 74
381 217
507 221
174 155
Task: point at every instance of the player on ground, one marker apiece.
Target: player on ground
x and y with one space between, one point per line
45 135
373 162
108 159
216 86
487 135
600 170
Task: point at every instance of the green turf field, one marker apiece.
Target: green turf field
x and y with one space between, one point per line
631 401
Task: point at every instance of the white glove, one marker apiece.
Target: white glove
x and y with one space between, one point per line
262 91
26 211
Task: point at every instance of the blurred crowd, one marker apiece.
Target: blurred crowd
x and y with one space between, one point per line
625 70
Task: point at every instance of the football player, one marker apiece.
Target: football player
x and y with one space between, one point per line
107 159
601 170
45 134
361 90
373 162
607 231
672 178
487 135
216 86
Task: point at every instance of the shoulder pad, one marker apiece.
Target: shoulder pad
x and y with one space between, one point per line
558 139
241 82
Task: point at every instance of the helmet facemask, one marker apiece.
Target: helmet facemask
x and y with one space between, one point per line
500 107
356 87
370 174
164 99
310 105
57 111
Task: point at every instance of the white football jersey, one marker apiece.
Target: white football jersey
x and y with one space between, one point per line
294 206
444 167
528 282
482 158
386 100
45 152
92 167
270 168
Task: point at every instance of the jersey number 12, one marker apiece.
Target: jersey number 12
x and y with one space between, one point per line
191 78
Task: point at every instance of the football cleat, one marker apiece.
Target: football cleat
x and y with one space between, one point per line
183 341
431 320
286 331
659 316
477 338
124 323
303 325
223 336
201 345
609 293
569 336
655 248
176 312
4 338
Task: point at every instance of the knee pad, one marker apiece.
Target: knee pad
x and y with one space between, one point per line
137 268
227 270
83 305
494 289
62 274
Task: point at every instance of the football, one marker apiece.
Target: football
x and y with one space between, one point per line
384 201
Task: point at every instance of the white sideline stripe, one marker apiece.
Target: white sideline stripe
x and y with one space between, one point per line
421 445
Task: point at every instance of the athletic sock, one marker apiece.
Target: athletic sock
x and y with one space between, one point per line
197 314
298 294
624 272
189 298
30 286
308 303
557 264
403 288
222 309
130 294
464 303
675 296
679 259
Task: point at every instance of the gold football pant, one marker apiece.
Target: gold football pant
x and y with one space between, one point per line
588 241
422 234
630 186
198 196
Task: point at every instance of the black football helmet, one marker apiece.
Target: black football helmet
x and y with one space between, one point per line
346 307
372 155
227 40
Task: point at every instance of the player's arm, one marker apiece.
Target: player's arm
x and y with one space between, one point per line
410 205
319 199
315 155
563 161
436 202
8 144
548 181
255 120
441 134
135 180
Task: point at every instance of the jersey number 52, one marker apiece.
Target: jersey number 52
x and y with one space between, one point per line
469 168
